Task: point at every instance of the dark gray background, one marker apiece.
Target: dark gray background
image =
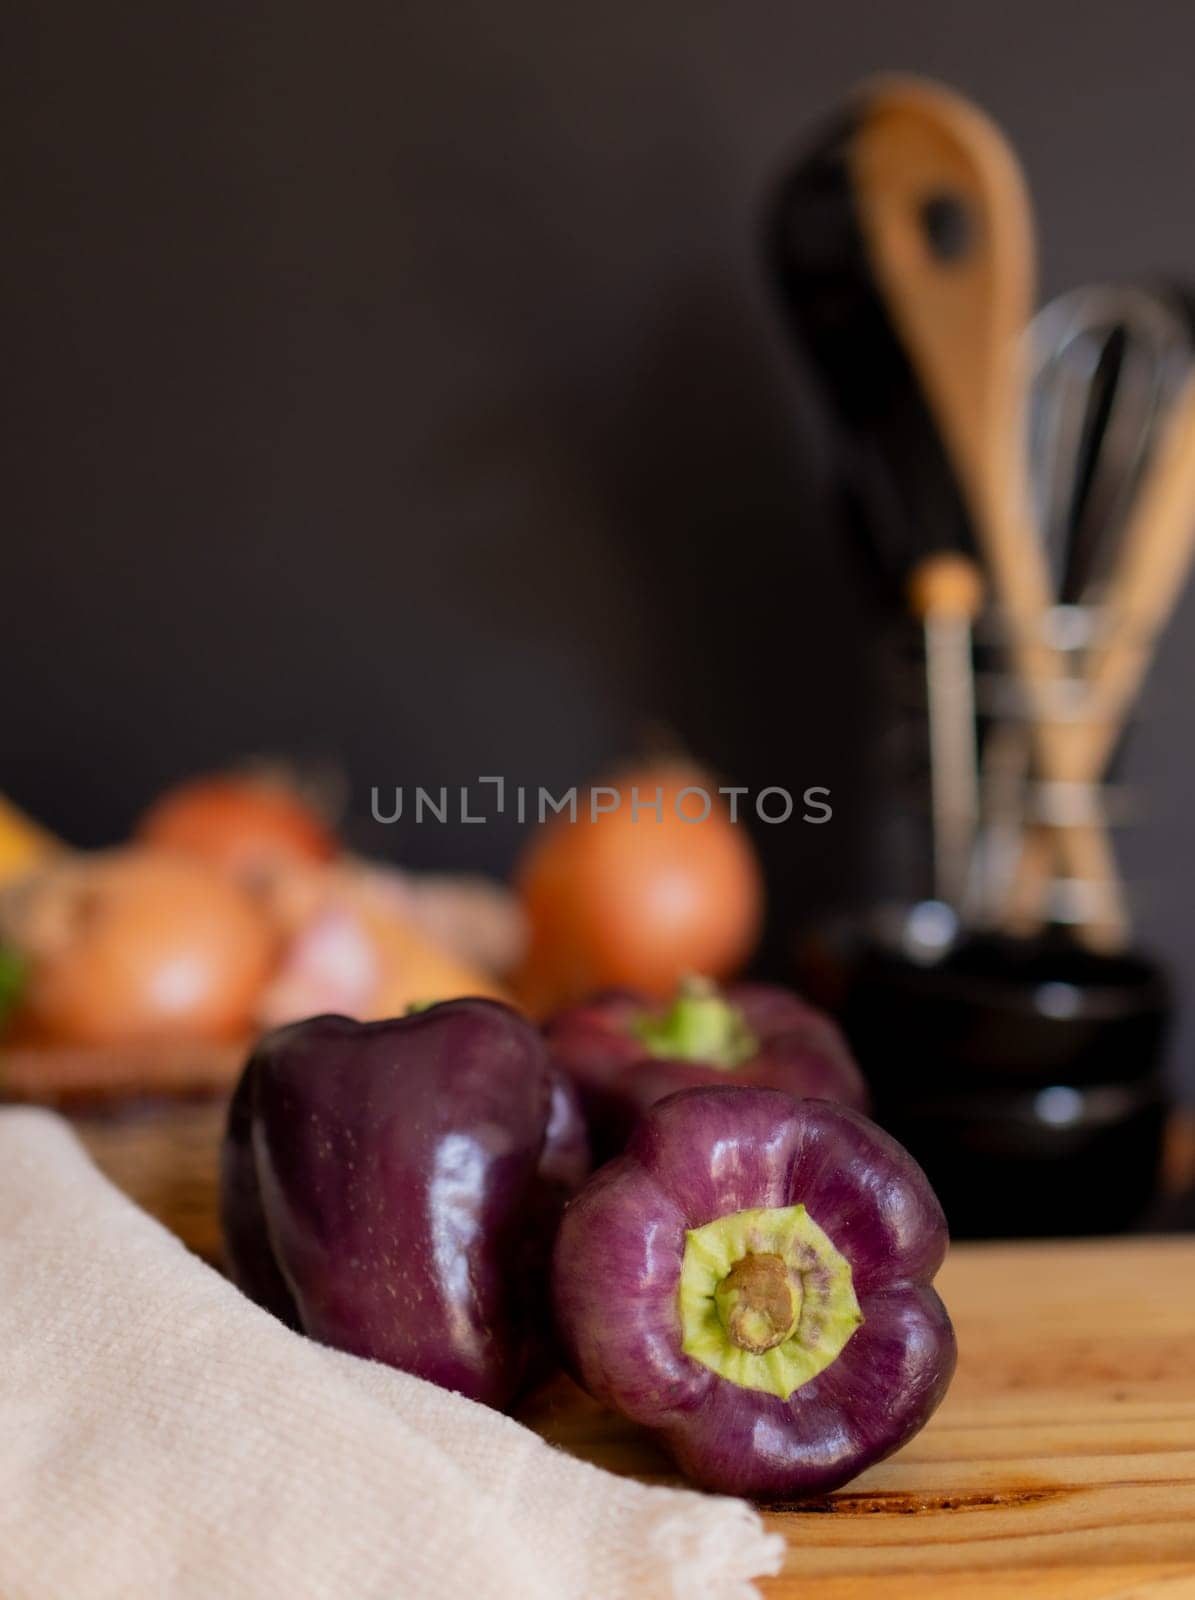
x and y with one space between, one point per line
396 385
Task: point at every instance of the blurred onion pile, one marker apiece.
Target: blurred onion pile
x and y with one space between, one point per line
234 907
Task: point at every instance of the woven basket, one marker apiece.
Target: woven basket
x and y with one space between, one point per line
150 1119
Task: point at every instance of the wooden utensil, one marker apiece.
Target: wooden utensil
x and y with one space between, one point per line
944 213
946 592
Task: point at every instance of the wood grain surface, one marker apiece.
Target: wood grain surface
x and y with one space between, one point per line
1060 1467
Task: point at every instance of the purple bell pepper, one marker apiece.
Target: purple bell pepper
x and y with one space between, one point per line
752 1280
392 1188
624 1052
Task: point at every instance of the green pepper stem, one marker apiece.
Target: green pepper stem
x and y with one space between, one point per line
698 1026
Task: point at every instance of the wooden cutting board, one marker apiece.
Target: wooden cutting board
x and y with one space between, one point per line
1060 1467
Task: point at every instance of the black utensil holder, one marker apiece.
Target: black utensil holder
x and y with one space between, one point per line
1025 1076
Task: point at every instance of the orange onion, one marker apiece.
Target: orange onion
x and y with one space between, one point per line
129 946
627 898
249 827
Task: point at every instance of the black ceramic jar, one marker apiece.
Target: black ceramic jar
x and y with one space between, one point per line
1025 1076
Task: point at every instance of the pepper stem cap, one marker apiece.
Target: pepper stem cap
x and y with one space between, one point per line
700 1025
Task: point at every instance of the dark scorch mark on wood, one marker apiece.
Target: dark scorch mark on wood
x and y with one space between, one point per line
894 1503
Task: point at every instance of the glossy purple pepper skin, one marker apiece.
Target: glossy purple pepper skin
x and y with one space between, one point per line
799 1050
248 1254
706 1153
390 1188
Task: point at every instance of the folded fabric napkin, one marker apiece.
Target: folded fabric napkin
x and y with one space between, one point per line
162 1437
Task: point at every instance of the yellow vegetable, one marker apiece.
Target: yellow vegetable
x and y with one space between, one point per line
23 844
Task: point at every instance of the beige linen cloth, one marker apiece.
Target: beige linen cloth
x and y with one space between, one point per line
162 1437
